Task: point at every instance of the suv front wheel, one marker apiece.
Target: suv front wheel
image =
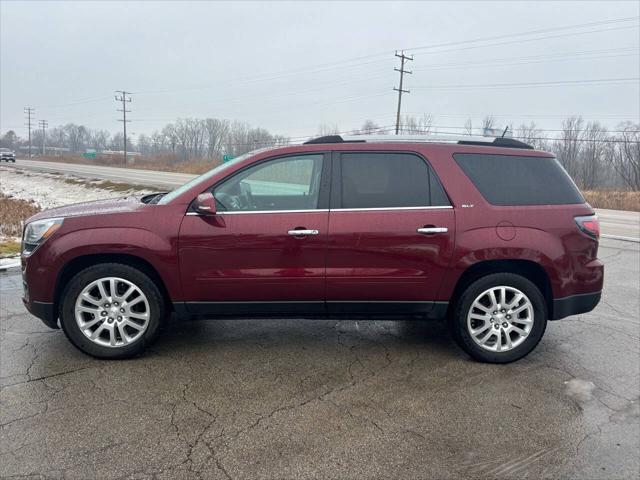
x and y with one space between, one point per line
499 318
111 311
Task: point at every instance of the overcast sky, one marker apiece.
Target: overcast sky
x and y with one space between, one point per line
290 67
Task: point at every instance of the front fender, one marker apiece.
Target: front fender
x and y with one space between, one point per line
47 263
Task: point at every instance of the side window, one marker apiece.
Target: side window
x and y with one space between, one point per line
388 180
289 183
519 180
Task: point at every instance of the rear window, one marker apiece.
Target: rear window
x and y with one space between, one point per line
519 180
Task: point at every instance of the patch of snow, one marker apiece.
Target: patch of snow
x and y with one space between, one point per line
50 190
7 263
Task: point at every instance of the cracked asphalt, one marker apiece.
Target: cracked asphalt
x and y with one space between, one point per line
326 399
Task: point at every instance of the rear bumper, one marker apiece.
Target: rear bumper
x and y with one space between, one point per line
574 305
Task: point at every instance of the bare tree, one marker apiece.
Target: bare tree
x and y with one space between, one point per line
468 127
216 132
368 127
170 136
99 139
9 140
144 144
411 125
625 157
77 136
117 142
326 129
592 156
567 147
159 142
57 137
488 123
531 134
589 153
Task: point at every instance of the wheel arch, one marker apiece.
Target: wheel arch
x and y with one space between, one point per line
528 269
78 264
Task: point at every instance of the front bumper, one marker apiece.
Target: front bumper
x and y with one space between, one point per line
44 311
574 305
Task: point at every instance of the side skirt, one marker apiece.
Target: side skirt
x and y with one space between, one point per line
361 310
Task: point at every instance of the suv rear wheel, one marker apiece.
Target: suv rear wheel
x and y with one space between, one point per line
111 311
500 318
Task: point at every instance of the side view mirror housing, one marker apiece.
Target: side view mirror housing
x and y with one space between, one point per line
205 204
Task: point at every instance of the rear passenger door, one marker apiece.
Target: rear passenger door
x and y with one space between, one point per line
391 233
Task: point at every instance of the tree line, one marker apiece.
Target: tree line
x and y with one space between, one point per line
594 156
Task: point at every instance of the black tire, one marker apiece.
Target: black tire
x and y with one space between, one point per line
95 272
459 321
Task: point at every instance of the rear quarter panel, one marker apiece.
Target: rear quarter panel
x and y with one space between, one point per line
544 234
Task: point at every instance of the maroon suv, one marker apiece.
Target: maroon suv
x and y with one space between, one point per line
488 233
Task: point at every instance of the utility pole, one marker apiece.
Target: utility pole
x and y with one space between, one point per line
124 98
29 112
43 125
403 58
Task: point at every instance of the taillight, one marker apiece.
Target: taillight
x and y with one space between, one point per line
589 225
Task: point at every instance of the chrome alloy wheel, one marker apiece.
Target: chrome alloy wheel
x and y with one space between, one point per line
112 312
500 319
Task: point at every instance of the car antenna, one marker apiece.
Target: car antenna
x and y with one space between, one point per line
505 131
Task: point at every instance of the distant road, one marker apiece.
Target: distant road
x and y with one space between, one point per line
153 178
619 224
614 223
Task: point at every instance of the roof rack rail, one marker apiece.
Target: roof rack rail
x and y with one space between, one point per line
500 142
457 139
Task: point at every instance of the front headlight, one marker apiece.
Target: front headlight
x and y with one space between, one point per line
35 233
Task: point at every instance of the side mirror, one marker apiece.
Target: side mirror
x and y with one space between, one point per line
205 204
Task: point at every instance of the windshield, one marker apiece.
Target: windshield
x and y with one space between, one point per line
205 176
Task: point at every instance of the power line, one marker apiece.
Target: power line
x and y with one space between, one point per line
531 32
554 130
29 111
349 61
559 83
43 125
520 60
543 116
403 58
79 102
525 40
542 138
337 64
124 98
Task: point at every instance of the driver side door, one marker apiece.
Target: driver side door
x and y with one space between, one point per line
264 252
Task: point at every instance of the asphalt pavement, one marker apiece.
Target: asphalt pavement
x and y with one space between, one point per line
614 223
326 399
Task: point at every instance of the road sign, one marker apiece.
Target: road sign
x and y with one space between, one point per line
89 155
226 158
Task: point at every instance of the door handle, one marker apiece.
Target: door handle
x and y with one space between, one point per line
302 233
432 230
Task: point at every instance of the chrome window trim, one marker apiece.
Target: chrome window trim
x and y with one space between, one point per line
264 211
443 207
389 208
